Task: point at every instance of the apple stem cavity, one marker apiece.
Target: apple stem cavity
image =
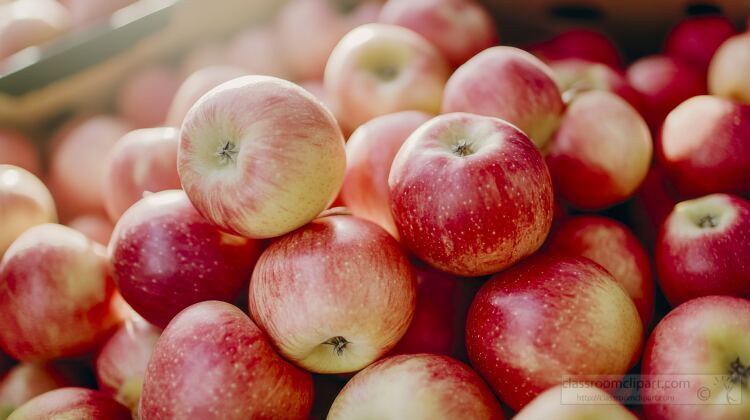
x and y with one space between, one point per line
707 221
339 344
227 153
345 7
738 373
386 73
462 148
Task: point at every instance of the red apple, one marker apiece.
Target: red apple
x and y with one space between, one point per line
596 404
379 69
460 29
72 403
168 257
705 146
575 76
56 294
350 300
511 84
256 51
24 202
547 317
651 204
18 150
260 156
583 44
419 386
696 39
470 195
24 382
613 246
95 226
142 161
703 249
144 99
601 153
727 73
369 155
196 85
227 367
704 345
25 23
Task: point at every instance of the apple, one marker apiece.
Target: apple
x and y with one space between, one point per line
18 150
308 30
703 249
470 194
87 11
705 146
664 82
25 23
260 156
24 202
56 294
575 76
460 29
318 89
144 99
122 360
510 84
95 226
228 368
378 69
601 153
350 300
613 246
580 43
727 73
256 51
369 155
651 205
24 382
72 403
419 386
703 342
168 257
196 85
142 161
550 316
696 39
597 404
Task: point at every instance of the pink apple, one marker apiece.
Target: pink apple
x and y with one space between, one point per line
318 89
24 382
228 369
705 146
350 300
369 155
727 73
196 85
547 317
612 245
601 153
18 150
419 386
256 51
470 195
72 403
86 11
122 360
143 161
664 82
56 294
260 156
144 99
168 257
95 226
24 202
575 76
460 29
25 23
703 249
548 405
703 342
696 39
583 44
510 84
379 69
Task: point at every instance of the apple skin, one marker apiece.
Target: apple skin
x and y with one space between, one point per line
612 245
547 405
727 73
260 156
72 403
229 368
601 153
416 386
168 257
651 205
26 23
575 76
511 84
122 360
379 69
696 39
142 161
460 29
256 51
24 382
196 85
550 316
705 146
341 264
18 150
582 44
472 214
702 336
24 202
57 295
145 97
96 227
369 154
703 249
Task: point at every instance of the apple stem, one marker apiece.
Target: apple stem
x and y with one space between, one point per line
338 343
707 221
227 153
462 148
738 372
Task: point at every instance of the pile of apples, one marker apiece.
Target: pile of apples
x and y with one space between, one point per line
497 219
